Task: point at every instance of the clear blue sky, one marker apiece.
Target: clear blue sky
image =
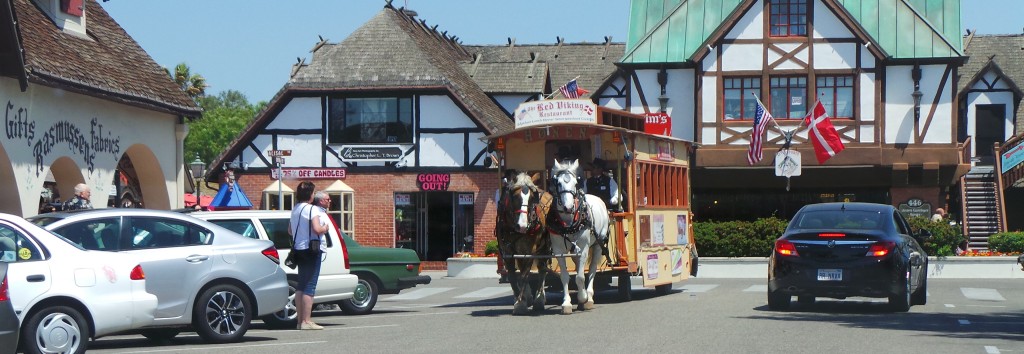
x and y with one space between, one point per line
250 45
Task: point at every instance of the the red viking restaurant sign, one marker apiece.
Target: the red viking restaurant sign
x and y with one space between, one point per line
433 182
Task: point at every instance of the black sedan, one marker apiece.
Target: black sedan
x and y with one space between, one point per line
839 250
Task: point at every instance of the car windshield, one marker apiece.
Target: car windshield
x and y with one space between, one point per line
838 219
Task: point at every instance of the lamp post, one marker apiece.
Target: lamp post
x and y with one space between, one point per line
198 168
915 74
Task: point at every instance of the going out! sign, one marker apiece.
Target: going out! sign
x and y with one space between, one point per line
433 182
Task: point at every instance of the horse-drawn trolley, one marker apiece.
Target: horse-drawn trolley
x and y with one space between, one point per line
581 180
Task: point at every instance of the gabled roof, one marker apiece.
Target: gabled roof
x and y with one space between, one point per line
592 63
395 51
675 31
109 64
1001 54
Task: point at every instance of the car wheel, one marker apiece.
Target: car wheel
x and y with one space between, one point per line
160 334
222 314
900 301
920 296
778 301
625 287
805 299
56 329
363 299
287 317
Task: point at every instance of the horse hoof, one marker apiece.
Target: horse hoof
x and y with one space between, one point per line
588 306
567 310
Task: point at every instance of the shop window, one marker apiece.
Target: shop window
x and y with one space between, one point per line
836 94
788 18
788 97
371 120
271 200
661 185
739 97
342 211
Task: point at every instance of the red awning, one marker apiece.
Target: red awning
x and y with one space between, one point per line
204 200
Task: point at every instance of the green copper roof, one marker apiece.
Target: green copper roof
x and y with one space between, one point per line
910 28
667 31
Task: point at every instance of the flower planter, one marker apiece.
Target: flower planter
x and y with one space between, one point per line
473 267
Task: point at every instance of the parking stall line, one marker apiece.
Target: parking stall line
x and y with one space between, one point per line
760 288
487 292
207 348
418 294
991 349
699 288
983 294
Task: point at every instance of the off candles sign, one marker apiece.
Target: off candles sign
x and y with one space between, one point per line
433 181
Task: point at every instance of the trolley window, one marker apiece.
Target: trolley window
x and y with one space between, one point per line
661 185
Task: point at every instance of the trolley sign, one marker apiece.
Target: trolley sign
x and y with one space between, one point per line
279 153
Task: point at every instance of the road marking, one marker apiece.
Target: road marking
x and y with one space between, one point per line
757 288
487 292
991 349
950 305
986 306
964 322
699 288
983 294
419 293
233 346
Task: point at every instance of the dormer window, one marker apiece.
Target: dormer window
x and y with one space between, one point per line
72 7
788 18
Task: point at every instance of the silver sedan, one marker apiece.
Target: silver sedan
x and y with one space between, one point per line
203 275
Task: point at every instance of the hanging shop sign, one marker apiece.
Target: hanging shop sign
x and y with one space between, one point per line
403 199
465 198
547 112
1011 158
309 173
659 123
433 182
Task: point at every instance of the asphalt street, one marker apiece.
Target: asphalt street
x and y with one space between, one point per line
698 316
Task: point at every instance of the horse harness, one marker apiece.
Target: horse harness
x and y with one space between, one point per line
536 224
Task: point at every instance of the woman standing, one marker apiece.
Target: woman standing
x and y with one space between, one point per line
307 226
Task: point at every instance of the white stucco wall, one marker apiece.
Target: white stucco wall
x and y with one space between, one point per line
91 132
441 112
709 112
835 55
742 57
510 102
751 25
299 113
441 150
982 98
867 107
899 108
826 25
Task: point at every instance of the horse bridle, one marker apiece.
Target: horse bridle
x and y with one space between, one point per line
534 222
581 214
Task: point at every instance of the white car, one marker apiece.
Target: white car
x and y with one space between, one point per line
64 295
336 282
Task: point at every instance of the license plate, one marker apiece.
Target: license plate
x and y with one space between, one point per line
830 274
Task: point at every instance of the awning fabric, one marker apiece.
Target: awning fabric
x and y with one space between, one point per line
230 196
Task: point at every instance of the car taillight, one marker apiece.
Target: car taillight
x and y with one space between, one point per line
785 248
137 273
271 253
880 249
341 239
3 290
831 235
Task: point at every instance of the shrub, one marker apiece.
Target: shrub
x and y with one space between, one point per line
945 237
491 248
1007 242
737 238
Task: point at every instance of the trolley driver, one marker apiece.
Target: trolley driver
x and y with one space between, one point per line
602 184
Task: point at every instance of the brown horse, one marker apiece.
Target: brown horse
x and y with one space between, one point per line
520 231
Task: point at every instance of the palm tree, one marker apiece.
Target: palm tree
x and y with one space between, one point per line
194 85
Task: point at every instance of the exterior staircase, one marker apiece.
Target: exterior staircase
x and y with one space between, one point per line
981 211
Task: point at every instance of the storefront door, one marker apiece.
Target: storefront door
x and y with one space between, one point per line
435 224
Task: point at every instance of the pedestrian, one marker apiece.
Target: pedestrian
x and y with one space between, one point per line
81 198
602 184
308 225
940 214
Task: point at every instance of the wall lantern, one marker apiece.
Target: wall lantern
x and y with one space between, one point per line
915 74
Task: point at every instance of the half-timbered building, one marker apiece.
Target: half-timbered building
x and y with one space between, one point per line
886 72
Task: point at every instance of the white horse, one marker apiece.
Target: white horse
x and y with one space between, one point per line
577 225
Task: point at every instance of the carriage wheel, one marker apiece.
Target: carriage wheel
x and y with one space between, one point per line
625 287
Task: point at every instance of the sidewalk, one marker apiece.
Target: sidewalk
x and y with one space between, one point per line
938 268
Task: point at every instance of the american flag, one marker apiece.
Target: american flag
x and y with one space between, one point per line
572 90
761 118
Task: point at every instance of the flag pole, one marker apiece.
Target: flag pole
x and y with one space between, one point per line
766 108
548 97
